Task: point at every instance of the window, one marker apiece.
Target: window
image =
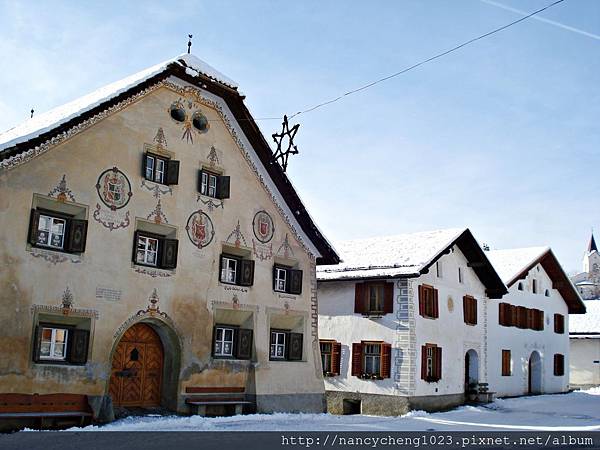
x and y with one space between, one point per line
559 365
460 276
521 317
286 345
534 286
155 250
559 323
470 310
330 357
53 343
60 344
428 301
286 279
520 286
200 122
57 231
506 363
223 341
438 269
160 169
371 360
547 293
213 185
374 298
177 112
236 270
431 363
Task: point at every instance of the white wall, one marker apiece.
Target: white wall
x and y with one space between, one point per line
523 342
449 331
583 370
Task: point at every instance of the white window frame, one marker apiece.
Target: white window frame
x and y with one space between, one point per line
53 343
279 343
372 353
227 270
159 171
223 341
150 160
146 249
280 279
326 358
208 184
52 220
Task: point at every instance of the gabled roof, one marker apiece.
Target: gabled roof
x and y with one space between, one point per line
410 255
515 264
43 127
588 323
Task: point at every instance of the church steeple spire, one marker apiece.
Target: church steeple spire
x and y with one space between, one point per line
592 246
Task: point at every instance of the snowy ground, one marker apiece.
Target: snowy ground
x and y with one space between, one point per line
577 411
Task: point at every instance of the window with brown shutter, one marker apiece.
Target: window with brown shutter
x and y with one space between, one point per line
559 323
428 301
287 279
154 250
60 344
357 369
431 363
213 185
559 365
285 345
236 270
330 357
521 317
506 363
374 298
57 231
371 360
470 310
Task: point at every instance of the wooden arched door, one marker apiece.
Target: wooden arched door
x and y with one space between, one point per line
137 367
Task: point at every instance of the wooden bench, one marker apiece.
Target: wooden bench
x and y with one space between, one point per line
202 398
45 406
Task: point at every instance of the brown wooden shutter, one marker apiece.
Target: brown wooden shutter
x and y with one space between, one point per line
78 343
169 253
437 354
559 365
360 298
77 236
421 300
135 243
388 298
295 346
294 281
34 223
243 343
246 272
336 358
223 187
386 360
522 317
505 362
559 323
474 311
436 310
502 313
172 175
37 340
513 315
423 362
200 180
357 369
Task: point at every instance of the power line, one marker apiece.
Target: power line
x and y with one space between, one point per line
425 61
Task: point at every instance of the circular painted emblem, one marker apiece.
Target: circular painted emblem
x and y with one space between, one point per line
114 188
200 229
263 226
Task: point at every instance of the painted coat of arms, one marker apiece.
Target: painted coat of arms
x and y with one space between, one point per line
114 190
263 228
200 229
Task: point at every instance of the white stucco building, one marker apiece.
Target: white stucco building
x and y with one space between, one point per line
402 321
528 332
584 339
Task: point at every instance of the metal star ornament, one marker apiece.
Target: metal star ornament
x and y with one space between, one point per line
281 156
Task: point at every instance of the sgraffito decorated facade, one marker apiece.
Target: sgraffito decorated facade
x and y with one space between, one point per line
150 248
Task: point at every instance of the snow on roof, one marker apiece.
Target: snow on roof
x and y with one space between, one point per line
588 322
403 254
44 122
510 263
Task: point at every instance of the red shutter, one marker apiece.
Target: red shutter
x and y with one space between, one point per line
386 360
437 354
474 310
336 360
357 359
423 362
436 311
360 303
421 300
388 298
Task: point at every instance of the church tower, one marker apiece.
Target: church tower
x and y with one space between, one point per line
591 259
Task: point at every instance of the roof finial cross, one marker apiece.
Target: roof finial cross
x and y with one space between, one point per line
189 43
32 111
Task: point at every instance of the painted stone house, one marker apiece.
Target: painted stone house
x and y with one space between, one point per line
402 322
152 250
528 331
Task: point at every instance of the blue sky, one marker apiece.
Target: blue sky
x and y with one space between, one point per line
502 136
